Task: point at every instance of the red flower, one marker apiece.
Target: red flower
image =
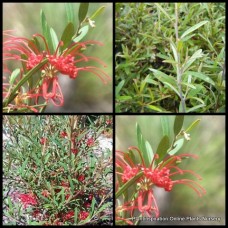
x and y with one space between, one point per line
67 196
90 197
83 215
68 215
65 184
43 140
108 122
74 151
27 199
64 62
63 134
159 175
81 178
90 142
87 205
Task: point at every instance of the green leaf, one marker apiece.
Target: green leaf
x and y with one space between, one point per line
197 54
10 204
201 76
128 184
46 31
178 123
82 33
150 153
70 12
83 9
75 215
54 38
194 124
174 50
195 108
193 28
124 98
22 169
71 183
173 88
165 125
163 11
93 205
155 108
163 147
177 146
97 12
162 77
14 75
119 87
67 36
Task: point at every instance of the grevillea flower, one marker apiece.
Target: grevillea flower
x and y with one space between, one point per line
160 175
81 177
74 151
83 215
43 140
90 142
63 134
64 62
27 199
68 215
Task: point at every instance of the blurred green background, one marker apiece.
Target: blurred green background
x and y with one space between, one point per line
86 93
207 141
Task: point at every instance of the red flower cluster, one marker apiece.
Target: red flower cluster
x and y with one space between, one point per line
43 140
27 199
68 215
81 178
74 151
59 62
90 142
63 134
159 175
83 215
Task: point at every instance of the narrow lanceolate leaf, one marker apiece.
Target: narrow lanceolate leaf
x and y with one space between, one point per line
150 152
128 184
67 36
83 9
178 123
194 124
174 50
193 28
163 148
196 55
46 31
14 75
97 12
165 125
119 87
173 88
54 39
70 12
142 144
201 76
177 146
82 33
163 11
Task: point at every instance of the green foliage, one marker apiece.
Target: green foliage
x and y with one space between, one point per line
159 71
70 177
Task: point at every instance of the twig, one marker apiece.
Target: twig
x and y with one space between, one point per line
179 70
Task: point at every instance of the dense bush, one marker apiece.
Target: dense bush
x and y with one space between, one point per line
170 57
54 171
